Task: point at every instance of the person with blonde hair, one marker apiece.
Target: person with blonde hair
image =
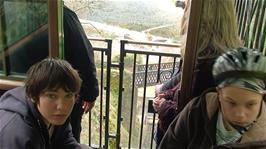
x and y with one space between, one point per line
217 34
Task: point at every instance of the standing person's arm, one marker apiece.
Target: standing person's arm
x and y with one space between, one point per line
79 52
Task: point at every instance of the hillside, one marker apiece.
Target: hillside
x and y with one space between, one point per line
138 15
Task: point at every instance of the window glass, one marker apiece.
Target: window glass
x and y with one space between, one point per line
24 37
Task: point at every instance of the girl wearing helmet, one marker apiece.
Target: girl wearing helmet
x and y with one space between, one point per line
231 115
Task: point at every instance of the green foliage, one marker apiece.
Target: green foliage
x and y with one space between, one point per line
172 31
84 5
137 26
114 84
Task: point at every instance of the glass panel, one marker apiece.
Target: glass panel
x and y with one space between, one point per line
24 28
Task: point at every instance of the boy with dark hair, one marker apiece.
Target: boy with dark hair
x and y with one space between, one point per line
35 116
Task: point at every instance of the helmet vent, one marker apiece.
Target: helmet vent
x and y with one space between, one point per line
230 57
244 55
257 58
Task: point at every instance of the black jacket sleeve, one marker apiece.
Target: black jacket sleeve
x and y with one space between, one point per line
79 53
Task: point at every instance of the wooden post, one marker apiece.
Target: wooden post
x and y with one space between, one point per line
53 28
190 53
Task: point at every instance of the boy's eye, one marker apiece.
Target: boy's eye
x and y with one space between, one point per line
51 96
70 96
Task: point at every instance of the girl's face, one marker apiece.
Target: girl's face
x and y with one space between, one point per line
239 106
56 105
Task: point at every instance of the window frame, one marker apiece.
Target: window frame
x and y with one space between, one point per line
55 35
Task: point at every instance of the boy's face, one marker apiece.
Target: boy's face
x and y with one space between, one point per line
56 105
239 106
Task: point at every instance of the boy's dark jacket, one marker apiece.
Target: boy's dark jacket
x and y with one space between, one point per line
22 128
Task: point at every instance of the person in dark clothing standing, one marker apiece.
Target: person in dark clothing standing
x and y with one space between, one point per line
79 53
36 116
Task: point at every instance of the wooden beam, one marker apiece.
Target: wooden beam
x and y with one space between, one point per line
53 28
9 84
190 53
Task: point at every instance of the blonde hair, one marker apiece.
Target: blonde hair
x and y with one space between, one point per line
218 27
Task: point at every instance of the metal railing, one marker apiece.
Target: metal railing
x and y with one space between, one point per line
166 71
120 118
103 55
128 93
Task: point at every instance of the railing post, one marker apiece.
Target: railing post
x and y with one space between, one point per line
120 95
108 75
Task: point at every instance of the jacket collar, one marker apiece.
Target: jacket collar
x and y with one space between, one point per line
210 114
257 131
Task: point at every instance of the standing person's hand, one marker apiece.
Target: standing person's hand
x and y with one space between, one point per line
87 106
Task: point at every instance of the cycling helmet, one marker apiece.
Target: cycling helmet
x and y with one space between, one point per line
242 67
